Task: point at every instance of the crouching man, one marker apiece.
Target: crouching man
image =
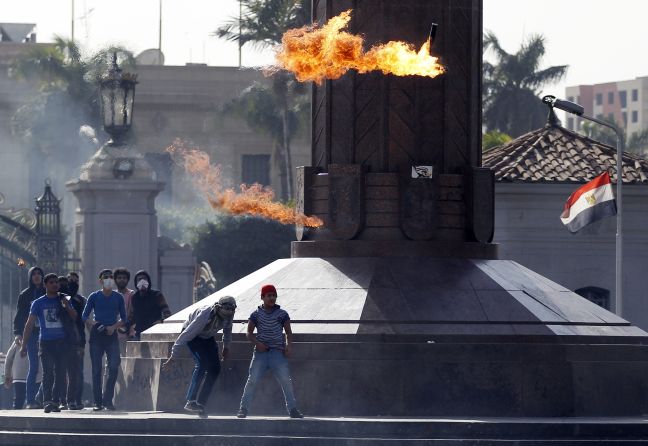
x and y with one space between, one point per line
198 333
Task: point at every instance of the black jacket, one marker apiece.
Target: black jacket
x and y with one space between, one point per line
78 303
25 299
147 307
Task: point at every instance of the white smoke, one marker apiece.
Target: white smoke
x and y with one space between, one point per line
86 131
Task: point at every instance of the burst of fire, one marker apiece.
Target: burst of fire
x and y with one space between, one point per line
20 262
249 200
317 53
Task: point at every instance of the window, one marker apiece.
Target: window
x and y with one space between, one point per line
599 98
570 123
635 95
610 97
623 98
599 296
256 169
635 116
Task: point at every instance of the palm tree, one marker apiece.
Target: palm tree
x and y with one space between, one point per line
511 86
262 25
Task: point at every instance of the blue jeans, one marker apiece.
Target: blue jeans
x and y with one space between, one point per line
32 356
274 360
205 355
100 344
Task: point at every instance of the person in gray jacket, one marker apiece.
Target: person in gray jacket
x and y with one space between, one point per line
198 333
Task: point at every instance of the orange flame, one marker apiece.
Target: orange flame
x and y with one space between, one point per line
250 200
317 53
20 262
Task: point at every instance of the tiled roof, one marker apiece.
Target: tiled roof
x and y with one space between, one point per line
555 154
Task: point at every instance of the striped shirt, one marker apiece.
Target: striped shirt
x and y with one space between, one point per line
269 325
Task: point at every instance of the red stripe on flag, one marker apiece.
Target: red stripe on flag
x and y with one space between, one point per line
599 181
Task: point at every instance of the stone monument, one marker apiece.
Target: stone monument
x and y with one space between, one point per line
399 304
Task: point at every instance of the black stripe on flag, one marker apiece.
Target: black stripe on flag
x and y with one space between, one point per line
590 215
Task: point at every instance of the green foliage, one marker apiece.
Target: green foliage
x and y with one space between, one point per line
511 86
265 21
493 139
637 142
178 223
237 246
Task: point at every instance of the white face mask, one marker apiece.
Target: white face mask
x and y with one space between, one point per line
108 284
142 285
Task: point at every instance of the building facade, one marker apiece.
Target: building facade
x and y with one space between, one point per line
625 102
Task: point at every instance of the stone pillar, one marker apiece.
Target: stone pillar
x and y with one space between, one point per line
116 223
177 272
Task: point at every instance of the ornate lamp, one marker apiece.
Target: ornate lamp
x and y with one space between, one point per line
117 92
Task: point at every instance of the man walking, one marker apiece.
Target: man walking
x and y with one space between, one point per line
78 302
53 345
148 306
198 333
270 350
108 307
25 299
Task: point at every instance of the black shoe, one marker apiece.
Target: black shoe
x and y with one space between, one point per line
193 406
294 413
242 413
110 407
55 408
97 407
49 407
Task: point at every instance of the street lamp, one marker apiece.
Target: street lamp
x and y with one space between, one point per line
578 110
117 92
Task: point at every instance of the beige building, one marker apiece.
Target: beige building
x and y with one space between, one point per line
624 101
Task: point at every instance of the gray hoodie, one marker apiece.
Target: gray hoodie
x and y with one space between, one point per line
203 322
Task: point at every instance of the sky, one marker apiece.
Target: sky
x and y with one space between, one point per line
600 40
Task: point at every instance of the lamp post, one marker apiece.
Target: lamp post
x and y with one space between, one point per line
578 110
117 93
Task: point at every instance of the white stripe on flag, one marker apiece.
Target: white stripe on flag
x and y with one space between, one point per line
600 194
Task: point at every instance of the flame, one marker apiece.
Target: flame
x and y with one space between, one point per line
249 200
20 262
317 53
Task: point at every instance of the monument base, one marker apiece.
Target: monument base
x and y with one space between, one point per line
415 336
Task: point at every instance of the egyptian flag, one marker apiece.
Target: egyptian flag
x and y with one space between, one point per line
589 203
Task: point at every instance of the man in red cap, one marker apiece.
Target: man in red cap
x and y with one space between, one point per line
270 350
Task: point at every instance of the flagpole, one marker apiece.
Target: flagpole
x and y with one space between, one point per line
579 110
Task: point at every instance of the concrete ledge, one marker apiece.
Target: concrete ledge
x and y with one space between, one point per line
394 248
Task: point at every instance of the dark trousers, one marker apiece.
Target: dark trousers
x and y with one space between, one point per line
205 355
68 393
19 391
52 355
100 344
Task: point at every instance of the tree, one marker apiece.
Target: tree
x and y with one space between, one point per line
511 86
637 142
493 139
263 24
237 246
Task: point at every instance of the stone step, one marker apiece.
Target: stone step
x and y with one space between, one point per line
162 429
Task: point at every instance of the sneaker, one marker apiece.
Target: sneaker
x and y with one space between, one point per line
110 407
193 406
294 413
97 407
242 413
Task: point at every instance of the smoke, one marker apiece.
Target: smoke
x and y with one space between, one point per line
86 131
254 200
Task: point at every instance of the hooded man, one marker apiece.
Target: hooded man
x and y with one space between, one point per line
148 306
198 333
25 299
